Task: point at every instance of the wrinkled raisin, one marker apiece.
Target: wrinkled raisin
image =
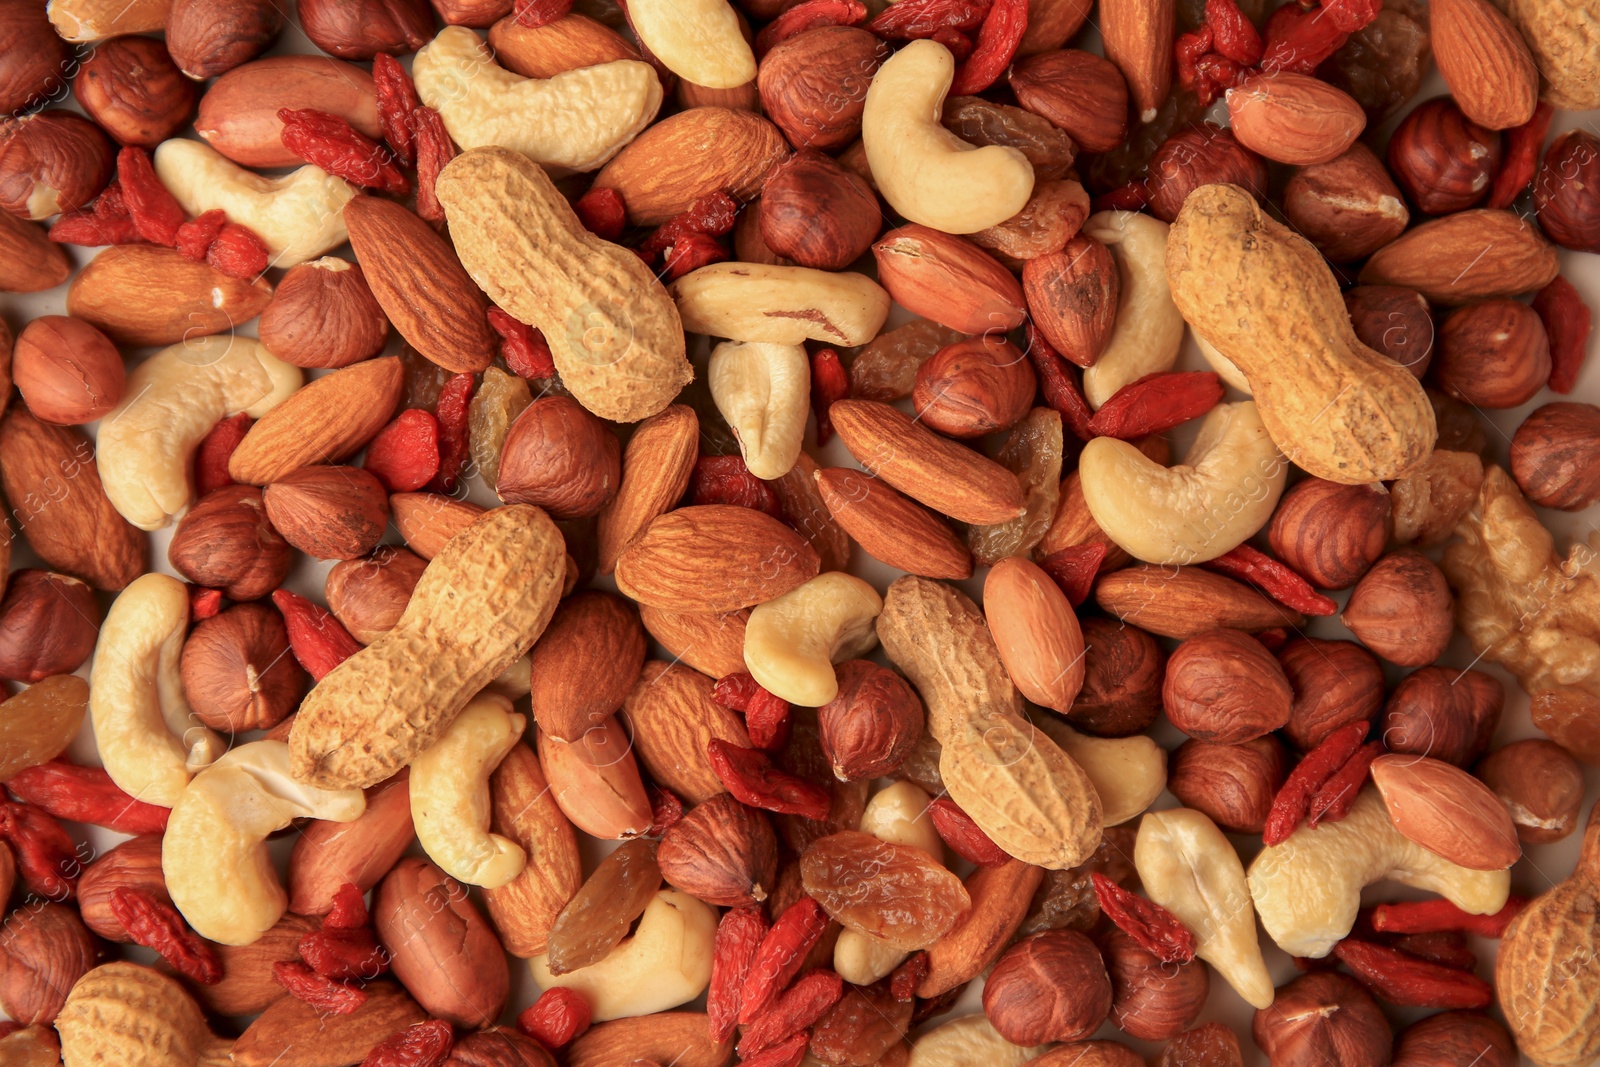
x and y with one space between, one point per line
1033 453
980 122
597 918
860 1029
886 369
38 723
895 893
1065 899
1382 65
424 379
495 406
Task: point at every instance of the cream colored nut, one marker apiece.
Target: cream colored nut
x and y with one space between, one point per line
1129 773
82 21
862 959
698 40
214 854
1222 493
450 794
575 121
965 1042
149 741
764 393
1189 867
173 399
899 815
791 643
928 174
515 681
665 963
780 305
299 216
1308 889
1226 368
1149 330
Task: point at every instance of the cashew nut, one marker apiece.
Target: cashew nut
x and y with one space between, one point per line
698 40
792 642
450 794
928 174
1188 867
1129 773
149 741
214 854
966 1041
764 391
574 121
665 963
1223 492
1308 889
1226 368
1149 329
299 216
780 305
899 815
173 399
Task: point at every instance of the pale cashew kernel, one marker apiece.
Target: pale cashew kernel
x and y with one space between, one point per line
1223 492
928 174
792 642
899 815
575 121
173 399
299 216
1308 889
1129 773
698 40
780 305
1191 869
967 1041
764 392
1226 368
450 794
1149 329
214 854
666 962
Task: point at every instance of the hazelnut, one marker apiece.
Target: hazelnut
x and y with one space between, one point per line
1052 986
211 37
33 58
748 244
1151 1000
1335 683
51 162
1223 686
813 85
1321 1018
1207 1045
1123 668
1207 154
1566 193
479 14
237 671
869 729
1444 713
1402 609
1555 456
47 949
1348 207
133 89
1084 1054
48 625
561 458
226 542
360 29
368 595
1454 1039
816 213
1494 354
722 852
1233 784
69 373
1330 533
329 512
1079 91
323 314
1541 784
974 387
134 864
1395 321
1441 158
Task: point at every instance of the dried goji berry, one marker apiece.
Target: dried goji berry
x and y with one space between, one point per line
1447 948
965 837
797 1008
345 947
452 410
787 1054
602 213
323 994
156 213
418 1045
726 480
1156 403
782 953
404 455
1521 158
237 252
1434 916
1293 800
1233 34
736 691
958 43
1333 799
157 925
740 935
713 214
340 149
1566 321
536 13
665 809
829 382
196 235
397 99
808 15
1058 380
558 1016
1407 981
997 43
910 20
434 150
1272 577
319 641
216 448
767 721
523 347
906 977
1156 929
752 779
1075 568
689 254
349 911
1298 39
86 795
105 222
204 603
47 860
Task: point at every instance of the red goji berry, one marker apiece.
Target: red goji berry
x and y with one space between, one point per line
556 1018
397 99
1447 948
1133 196
689 254
1273 639
958 43
829 382
782 953
105 222
404 455
1060 383
808 15
237 252
1333 799
997 43
1348 16
196 235
344 953
736 691
418 1045
726 480
324 994
1272 577
536 13
1156 403
665 810
349 911
789 1053
1567 322
1234 36
1436 916
1156 929
1186 53
1521 158
910 20
156 213
767 721
47 859
752 779
319 641
964 836
797 1008
1407 981
1075 568
343 151
204 603
1298 39
740 935
908 976
713 215
216 448
157 925
434 150
1293 800
452 409
86 795
523 347
602 213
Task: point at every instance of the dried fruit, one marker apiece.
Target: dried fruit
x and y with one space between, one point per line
895 893
598 917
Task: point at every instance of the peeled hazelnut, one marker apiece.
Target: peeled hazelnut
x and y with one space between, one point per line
1322 1018
133 864
225 542
368 595
813 85
1330 533
816 213
48 625
1052 986
1493 354
1444 713
561 458
974 387
323 314
1348 207
1395 321
1442 159
1566 193
1206 154
1072 295
237 671
722 852
1555 456
1541 784
1223 686
133 89
33 58
1123 668
1455 1039
1079 91
1335 683
1151 1000
1233 784
69 373
52 161
47 949
869 729
211 37
1402 609
329 512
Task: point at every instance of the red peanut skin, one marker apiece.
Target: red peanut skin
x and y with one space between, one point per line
441 947
328 854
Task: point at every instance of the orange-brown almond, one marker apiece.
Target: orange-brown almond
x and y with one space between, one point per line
892 528
714 558
1447 811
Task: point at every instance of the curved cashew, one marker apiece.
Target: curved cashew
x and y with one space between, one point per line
698 40
665 963
1226 368
780 305
1191 869
450 794
173 399
214 854
764 391
899 815
1149 329
1129 773
966 1041
575 121
791 643
928 174
1223 492
1308 889
299 216
148 739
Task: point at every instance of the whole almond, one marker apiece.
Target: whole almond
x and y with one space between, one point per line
1485 62
326 855
1447 811
325 421
1471 255
1000 900
1078 91
29 261
1136 34
692 154
803 508
292 1033
1072 296
328 512
672 717
566 44
948 279
440 947
1294 118
146 295
1181 602
585 662
523 810
247 985
428 520
712 644
1036 632
239 112
714 558
892 528
680 1038
656 465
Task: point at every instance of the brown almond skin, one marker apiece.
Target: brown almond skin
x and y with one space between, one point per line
1233 784
560 457
133 89
722 852
368 595
133 864
871 726
712 558
145 295
329 512
441 948
208 38
325 421
47 950
656 465
523 809
1401 609
1186 601
498 1046
1447 811
585 662
1224 687
712 644
672 716
948 279
428 520
225 542
664 170
974 387
48 625
1072 295
893 528
239 113
1348 207
1430 258
1335 683
1443 712
680 1038
340 1039
29 261
1555 456
323 316
34 59
237 671
247 985
326 855
1330 533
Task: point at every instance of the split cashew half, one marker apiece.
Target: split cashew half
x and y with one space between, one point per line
1226 368
928 174
299 216
450 794
1149 330
792 642
575 121
149 741
698 40
214 854
780 305
966 1041
899 815
764 391
173 399
1308 889
1129 773
1223 492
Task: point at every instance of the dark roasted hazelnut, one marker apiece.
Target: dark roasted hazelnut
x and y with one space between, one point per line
871 726
1444 713
1493 354
813 85
1455 1039
1323 1018
1442 159
1052 986
1555 455
1202 155
1223 686
1150 999
559 457
721 852
1335 683
237 671
48 625
1233 784
1541 784
1395 321
1123 668
1348 207
1566 193
1402 609
132 88
1330 533
816 213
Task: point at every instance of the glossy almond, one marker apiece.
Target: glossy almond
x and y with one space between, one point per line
523 810
656 465
714 558
712 644
596 781
1136 35
326 420
1035 631
1294 118
1447 811
680 1038
239 113
694 153
318 1039
428 520
948 279
803 508
1181 602
145 295
29 261
891 528
566 44
1471 255
326 855
1485 62
585 662
672 717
